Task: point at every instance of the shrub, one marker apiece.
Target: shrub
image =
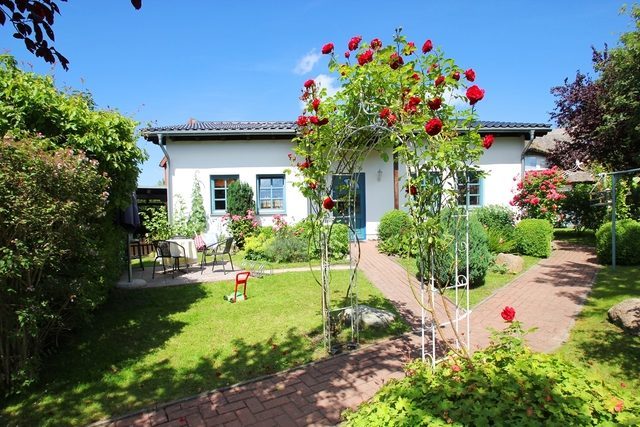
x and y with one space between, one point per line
394 233
538 196
240 198
499 242
533 237
627 242
255 246
444 261
286 248
495 217
56 250
505 384
577 208
338 239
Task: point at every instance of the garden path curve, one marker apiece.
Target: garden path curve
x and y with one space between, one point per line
547 296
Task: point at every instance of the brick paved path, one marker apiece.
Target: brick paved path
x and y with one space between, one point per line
548 296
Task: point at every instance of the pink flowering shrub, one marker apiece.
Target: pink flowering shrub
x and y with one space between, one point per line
537 195
241 226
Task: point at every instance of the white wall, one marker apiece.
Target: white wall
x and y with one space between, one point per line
249 158
244 158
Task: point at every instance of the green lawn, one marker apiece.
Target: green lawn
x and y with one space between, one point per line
157 345
599 345
493 280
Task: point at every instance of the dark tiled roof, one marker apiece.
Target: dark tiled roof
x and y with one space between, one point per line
288 128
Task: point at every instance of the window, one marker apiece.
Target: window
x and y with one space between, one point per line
219 186
271 193
535 163
474 186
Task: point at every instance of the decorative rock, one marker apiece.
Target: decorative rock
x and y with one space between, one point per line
626 314
514 263
370 317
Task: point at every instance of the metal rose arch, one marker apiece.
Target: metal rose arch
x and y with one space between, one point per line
396 101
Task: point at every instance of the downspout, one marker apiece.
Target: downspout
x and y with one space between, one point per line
169 180
532 134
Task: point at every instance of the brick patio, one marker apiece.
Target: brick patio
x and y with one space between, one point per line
548 296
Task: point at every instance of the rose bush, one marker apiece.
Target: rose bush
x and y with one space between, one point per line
537 194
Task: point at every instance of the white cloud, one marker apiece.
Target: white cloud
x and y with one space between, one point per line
455 97
307 62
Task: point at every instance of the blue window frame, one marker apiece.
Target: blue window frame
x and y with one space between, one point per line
473 182
271 194
219 187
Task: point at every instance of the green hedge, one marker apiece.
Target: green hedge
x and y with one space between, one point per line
393 233
627 242
533 237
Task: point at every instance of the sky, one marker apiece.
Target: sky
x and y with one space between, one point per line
246 60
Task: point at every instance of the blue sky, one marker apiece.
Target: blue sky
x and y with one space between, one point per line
241 60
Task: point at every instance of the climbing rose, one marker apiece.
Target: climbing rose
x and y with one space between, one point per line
412 189
435 103
328 203
474 94
323 122
347 54
312 185
376 44
302 120
327 48
391 120
315 104
415 76
456 368
456 75
354 42
304 165
314 120
470 74
409 48
309 84
487 141
384 113
412 105
365 57
433 126
508 314
427 46
395 61
439 80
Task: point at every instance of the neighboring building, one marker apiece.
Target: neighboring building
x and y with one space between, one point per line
217 153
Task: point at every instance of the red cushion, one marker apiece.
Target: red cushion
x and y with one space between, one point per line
199 241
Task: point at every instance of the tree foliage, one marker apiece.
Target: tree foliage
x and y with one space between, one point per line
33 22
602 114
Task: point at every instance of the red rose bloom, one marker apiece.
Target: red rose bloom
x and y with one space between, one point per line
413 190
435 103
487 141
327 48
440 80
415 76
312 185
412 105
304 165
302 121
470 74
347 54
365 57
433 126
323 121
474 94
315 104
375 44
508 314
328 203
456 75
395 61
391 120
427 46
384 113
354 42
309 84
314 120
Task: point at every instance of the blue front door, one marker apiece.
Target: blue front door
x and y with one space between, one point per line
354 206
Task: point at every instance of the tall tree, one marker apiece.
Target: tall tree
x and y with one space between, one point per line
602 114
33 23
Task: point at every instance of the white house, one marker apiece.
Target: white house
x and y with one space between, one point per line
217 153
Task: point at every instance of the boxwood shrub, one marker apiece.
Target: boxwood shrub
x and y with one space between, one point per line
393 233
627 242
533 237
